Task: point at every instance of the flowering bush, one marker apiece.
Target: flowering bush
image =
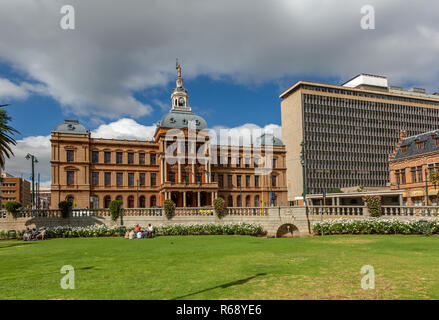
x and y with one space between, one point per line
210 229
169 208
219 206
373 203
161 230
374 226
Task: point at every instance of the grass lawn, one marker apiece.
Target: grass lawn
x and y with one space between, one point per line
222 267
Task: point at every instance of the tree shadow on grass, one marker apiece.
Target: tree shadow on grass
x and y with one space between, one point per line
223 286
15 245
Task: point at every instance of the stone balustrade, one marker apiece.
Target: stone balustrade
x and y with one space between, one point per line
338 211
412 211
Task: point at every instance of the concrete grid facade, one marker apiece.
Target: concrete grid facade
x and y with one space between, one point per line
349 133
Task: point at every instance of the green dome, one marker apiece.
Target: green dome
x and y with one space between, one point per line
269 139
71 126
181 119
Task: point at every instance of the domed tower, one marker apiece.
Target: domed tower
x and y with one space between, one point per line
179 96
181 115
185 181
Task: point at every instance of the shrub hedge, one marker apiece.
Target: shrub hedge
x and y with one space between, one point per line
375 226
161 230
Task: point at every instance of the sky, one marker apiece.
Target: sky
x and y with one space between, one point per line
115 70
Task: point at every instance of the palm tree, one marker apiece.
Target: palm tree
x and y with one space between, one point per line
6 136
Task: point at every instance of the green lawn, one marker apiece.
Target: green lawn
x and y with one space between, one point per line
222 267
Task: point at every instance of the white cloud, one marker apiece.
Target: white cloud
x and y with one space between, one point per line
9 90
124 129
119 48
244 134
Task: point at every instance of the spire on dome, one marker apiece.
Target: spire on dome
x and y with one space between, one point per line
179 96
178 67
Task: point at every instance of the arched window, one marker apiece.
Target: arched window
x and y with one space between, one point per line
256 200
230 201
107 200
238 201
142 202
131 202
248 202
153 201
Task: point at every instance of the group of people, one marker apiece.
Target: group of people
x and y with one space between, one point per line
140 233
34 234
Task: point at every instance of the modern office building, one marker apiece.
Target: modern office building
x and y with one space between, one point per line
15 189
91 172
349 131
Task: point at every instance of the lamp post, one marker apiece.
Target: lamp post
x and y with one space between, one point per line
33 161
302 161
426 188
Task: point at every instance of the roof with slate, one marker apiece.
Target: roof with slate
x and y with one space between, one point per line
411 144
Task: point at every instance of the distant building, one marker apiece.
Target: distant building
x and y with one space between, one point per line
92 172
15 189
349 131
43 196
413 160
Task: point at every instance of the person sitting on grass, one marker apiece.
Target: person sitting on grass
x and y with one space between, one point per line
139 235
137 228
127 235
132 235
27 235
42 234
150 231
34 234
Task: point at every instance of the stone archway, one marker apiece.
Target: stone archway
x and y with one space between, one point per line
288 230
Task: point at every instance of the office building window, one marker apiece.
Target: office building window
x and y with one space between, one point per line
130 158
273 181
107 157
220 180
95 156
141 158
118 157
107 178
130 179
95 178
152 158
153 179
70 155
119 179
142 179
70 178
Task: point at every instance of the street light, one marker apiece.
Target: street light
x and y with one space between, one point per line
33 161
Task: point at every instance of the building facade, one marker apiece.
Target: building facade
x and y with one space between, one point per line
92 172
349 131
15 189
414 159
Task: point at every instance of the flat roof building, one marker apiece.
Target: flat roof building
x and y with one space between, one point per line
349 130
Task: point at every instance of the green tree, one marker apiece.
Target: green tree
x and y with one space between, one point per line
6 136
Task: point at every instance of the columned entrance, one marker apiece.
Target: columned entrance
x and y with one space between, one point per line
189 199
